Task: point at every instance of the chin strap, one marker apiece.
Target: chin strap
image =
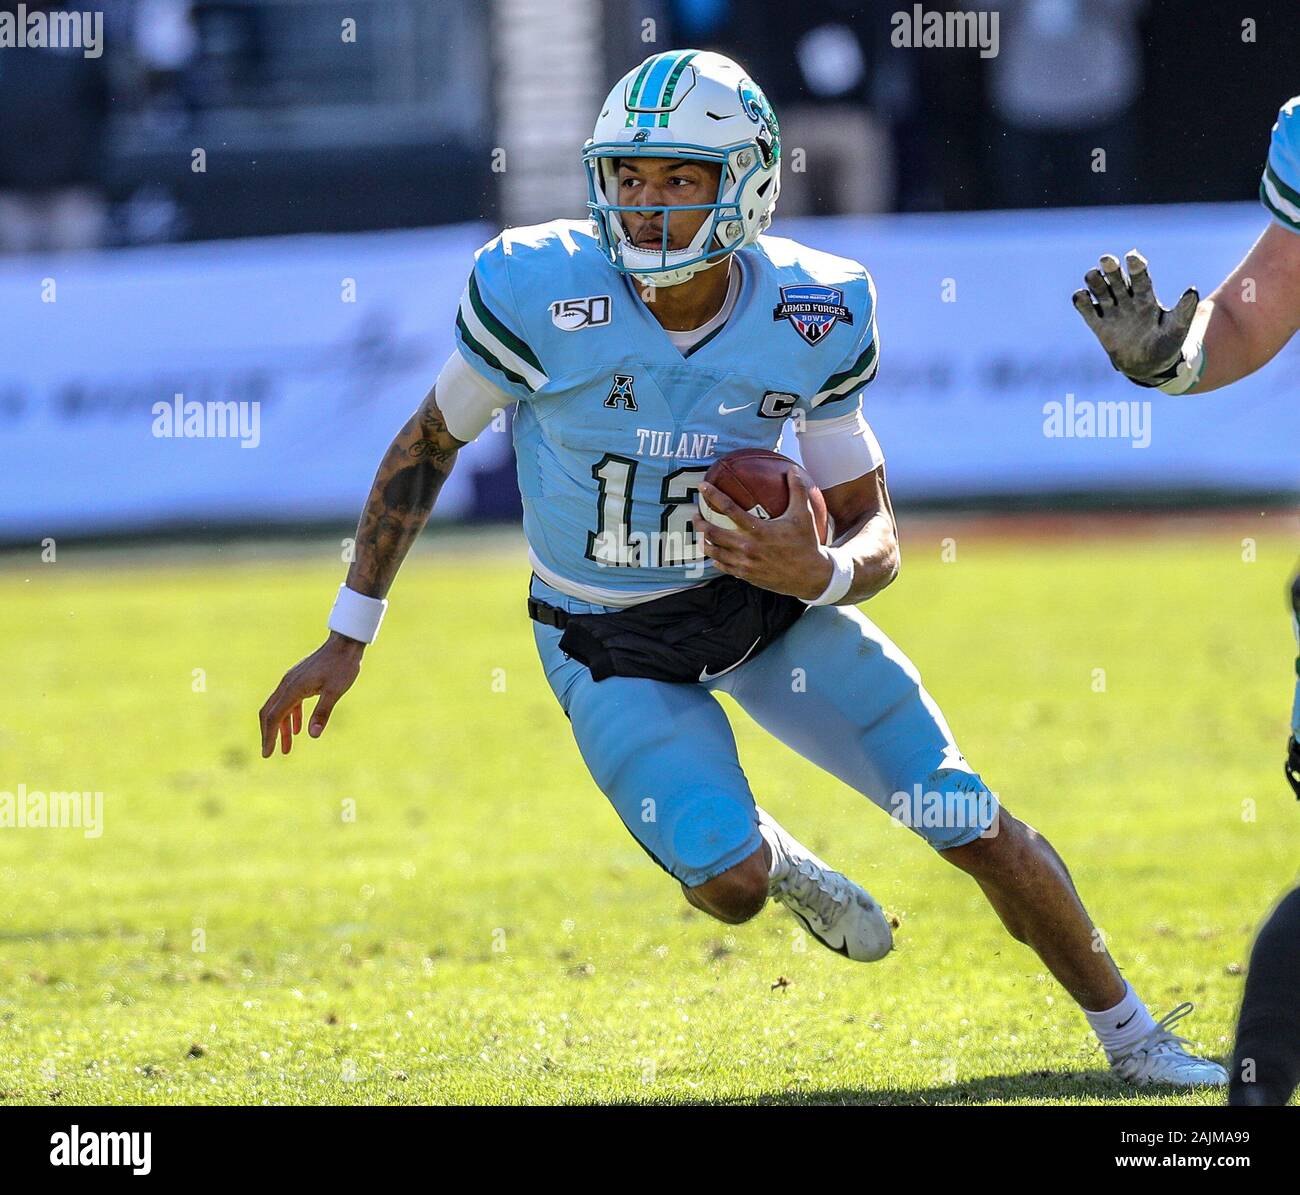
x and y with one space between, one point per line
641 262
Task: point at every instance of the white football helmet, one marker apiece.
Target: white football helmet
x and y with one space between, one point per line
697 106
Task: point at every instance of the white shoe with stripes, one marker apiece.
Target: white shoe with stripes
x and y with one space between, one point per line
840 914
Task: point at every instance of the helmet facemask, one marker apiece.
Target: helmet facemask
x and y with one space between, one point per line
722 231
672 106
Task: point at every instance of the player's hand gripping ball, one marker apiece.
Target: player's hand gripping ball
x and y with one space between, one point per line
766 522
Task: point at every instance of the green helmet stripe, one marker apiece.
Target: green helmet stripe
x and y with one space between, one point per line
640 80
653 88
634 97
671 86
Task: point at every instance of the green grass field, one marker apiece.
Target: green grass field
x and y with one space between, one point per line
483 930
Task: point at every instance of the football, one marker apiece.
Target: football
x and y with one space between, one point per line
756 479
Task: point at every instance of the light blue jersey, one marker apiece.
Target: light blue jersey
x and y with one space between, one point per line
615 426
1279 189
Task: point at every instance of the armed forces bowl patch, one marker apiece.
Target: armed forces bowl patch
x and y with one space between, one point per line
812 310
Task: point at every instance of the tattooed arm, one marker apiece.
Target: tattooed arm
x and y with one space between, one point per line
410 476
412 472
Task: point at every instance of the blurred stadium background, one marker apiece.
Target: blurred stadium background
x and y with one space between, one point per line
260 203
197 210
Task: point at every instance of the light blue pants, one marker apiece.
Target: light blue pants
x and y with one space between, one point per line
833 688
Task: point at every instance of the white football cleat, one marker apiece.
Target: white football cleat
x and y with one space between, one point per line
1160 1057
842 916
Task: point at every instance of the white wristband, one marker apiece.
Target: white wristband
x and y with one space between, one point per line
1190 367
1191 364
841 577
357 616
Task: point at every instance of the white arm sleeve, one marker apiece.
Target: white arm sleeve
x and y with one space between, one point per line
467 399
838 450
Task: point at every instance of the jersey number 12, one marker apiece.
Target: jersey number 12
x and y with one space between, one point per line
615 544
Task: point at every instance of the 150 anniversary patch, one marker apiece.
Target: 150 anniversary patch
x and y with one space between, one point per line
812 310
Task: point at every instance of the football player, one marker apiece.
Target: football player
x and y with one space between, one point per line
637 347
1196 347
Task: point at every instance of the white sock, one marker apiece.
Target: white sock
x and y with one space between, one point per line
779 862
1120 1028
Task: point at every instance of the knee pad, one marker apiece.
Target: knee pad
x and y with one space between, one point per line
703 829
949 808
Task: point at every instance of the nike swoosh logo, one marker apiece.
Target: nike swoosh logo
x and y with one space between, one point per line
726 410
842 948
715 116
705 674
1123 1023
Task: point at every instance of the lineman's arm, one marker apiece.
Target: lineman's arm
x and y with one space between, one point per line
1256 310
413 471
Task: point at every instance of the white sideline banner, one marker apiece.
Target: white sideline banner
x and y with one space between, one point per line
991 383
324 345
298 358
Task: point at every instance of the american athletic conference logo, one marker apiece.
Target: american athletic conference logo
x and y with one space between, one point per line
812 310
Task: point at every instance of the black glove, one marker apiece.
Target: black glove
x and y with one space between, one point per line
1292 768
1143 339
